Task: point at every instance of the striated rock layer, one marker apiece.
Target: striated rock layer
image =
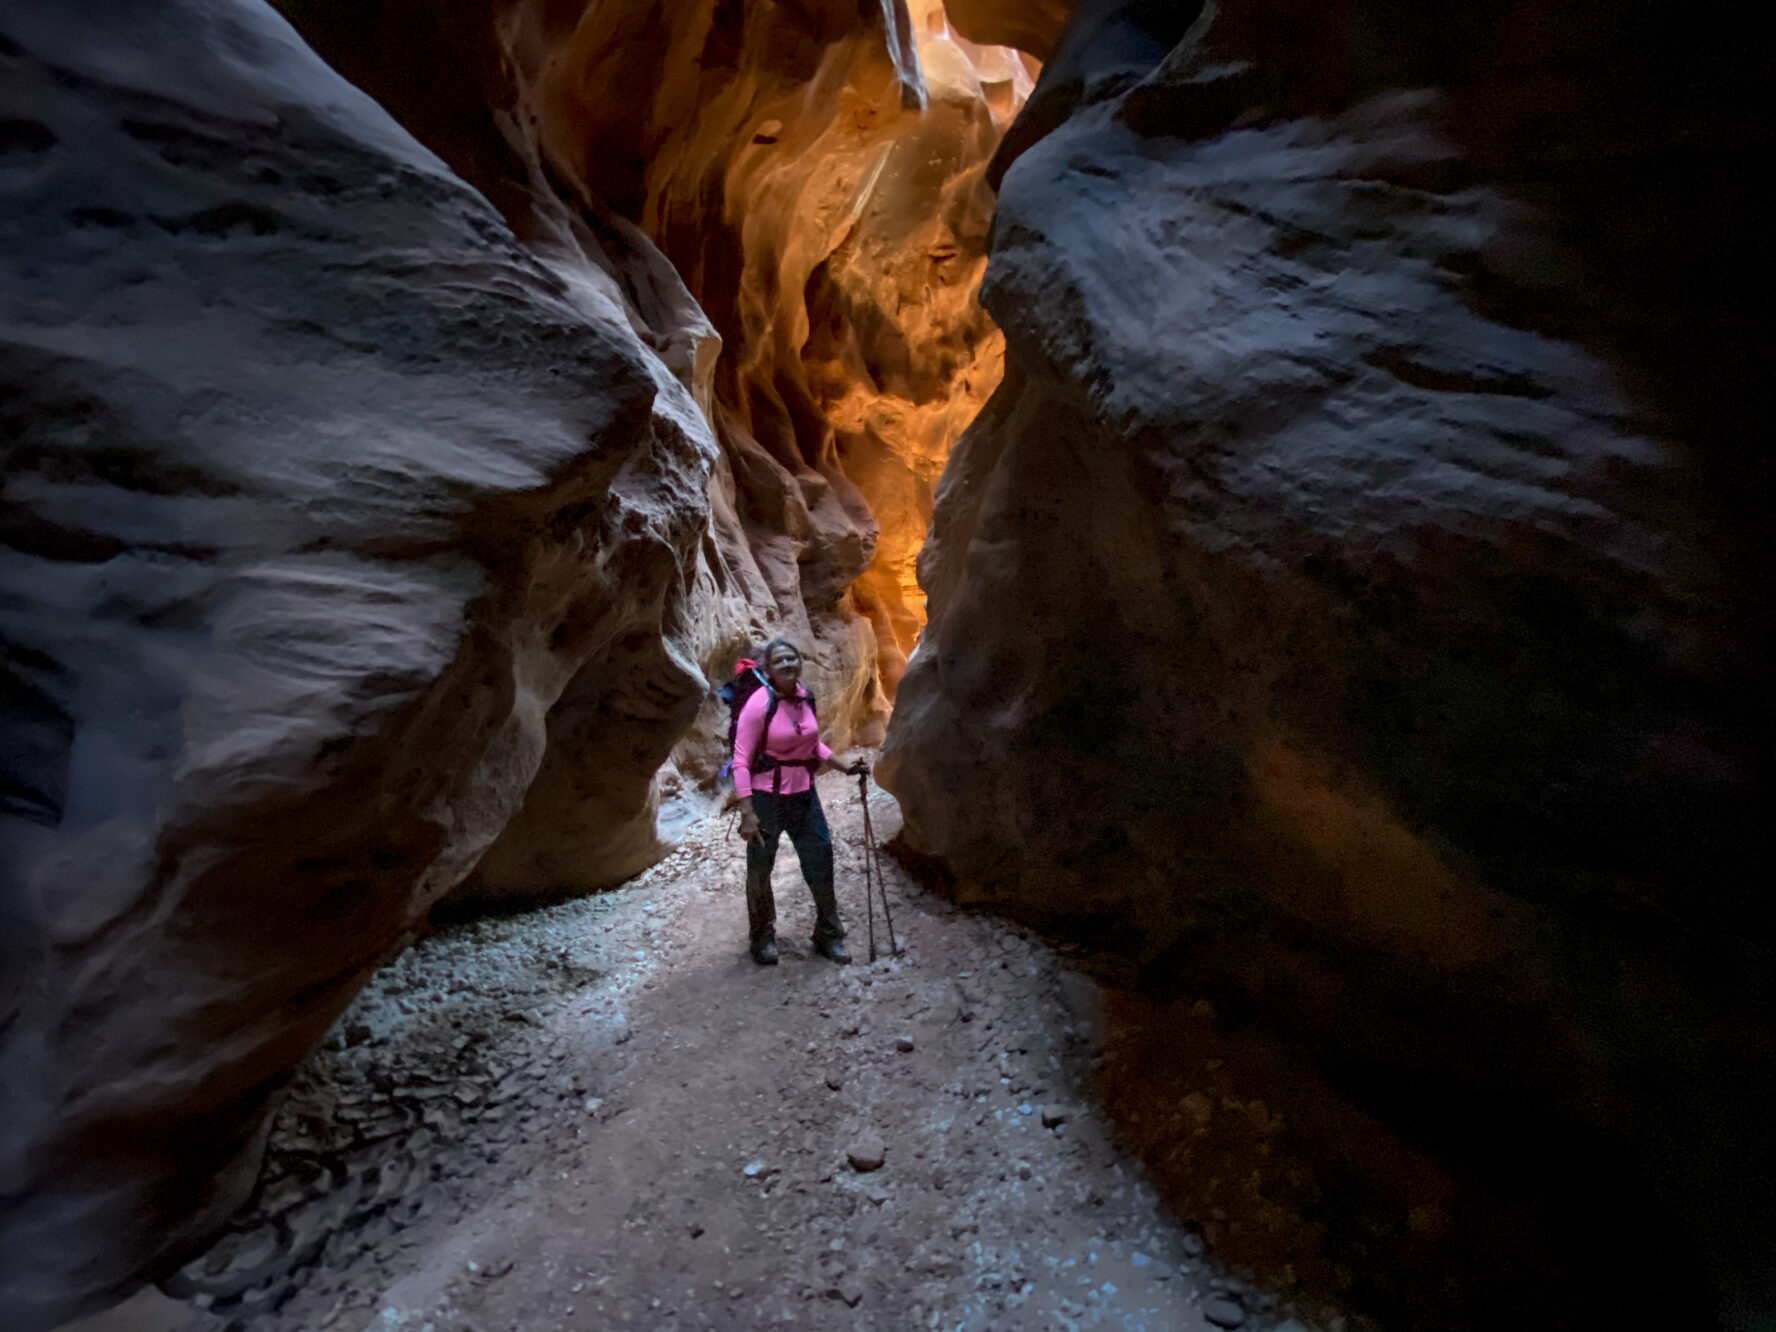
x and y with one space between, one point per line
321 492
1355 601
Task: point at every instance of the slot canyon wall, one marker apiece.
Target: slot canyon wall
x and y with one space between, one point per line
377 506
816 177
1354 605
320 490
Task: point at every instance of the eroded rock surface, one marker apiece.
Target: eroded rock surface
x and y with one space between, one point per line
822 194
321 490
817 177
1355 600
368 545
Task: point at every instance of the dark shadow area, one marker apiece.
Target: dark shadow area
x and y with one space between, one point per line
1422 1207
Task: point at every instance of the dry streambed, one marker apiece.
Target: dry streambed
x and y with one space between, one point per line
602 1114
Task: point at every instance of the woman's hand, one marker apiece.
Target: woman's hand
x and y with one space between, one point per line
749 822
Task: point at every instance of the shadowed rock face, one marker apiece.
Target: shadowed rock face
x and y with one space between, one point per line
1354 603
320 490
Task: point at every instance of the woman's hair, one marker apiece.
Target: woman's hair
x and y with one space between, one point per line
764 657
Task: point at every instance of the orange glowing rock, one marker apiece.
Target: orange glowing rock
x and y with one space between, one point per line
819 184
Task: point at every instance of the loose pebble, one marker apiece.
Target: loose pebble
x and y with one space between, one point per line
1223 1312
868 1152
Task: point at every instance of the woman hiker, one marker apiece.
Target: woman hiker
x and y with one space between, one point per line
774 785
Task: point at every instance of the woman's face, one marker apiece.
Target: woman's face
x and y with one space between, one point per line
784 669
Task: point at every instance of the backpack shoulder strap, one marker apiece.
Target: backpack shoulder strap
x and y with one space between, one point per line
764 745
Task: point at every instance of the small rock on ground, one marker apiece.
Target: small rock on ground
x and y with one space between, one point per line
868 1153
1223 1312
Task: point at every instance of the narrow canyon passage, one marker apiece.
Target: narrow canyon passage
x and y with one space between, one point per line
1318 449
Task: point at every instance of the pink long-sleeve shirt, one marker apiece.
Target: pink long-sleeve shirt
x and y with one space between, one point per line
795 734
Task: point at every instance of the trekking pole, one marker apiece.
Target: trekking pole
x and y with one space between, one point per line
869 900
872 853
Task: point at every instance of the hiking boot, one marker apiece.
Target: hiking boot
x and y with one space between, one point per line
765 954
827 925
833 948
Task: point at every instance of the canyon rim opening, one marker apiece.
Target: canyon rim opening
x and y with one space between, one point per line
1336 535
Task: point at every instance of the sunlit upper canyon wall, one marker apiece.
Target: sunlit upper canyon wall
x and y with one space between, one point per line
399 440
822 194
812 180
817 183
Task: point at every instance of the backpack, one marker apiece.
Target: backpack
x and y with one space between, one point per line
749 677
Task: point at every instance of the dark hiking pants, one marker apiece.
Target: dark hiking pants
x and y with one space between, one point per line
801 817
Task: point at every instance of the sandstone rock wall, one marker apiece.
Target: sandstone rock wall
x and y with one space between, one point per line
366 545
321 493
1355 600
816 176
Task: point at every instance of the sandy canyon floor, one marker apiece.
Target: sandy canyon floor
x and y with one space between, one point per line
603 1114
